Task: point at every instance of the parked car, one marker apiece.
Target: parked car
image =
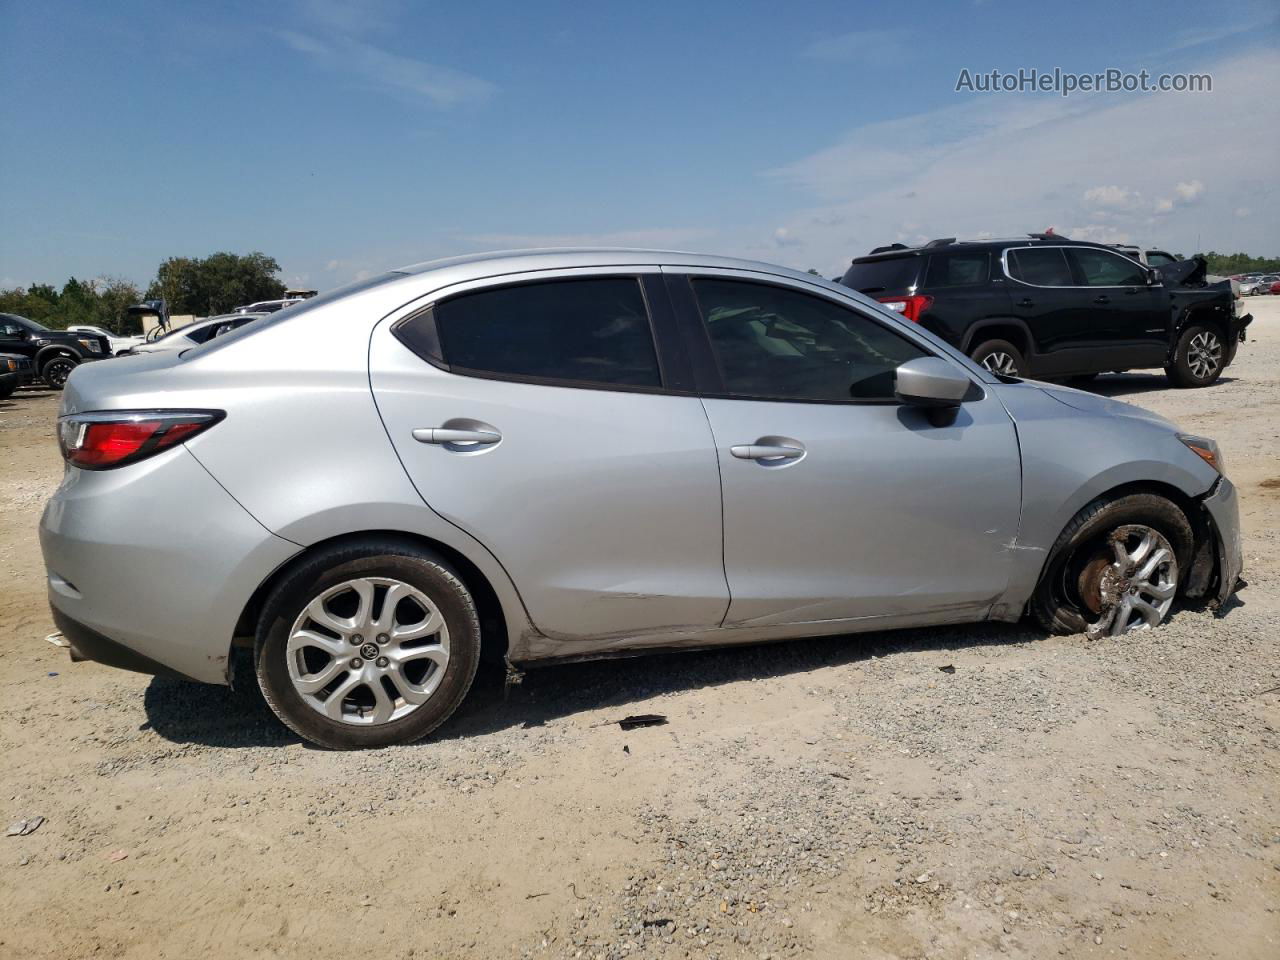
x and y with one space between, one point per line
1048 307
15 372
1148 258
1274 288
184 338
1249 286
570 454
1267 283
53 353
116 344
268 306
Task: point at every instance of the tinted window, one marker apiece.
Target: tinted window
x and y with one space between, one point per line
588 331
1043 266
200 334
1098 268
956 270
775 342
1156 258
885 275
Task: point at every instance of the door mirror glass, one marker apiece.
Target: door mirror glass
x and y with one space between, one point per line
930 382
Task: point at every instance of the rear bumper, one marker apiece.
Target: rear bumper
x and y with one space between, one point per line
150 566
1223 506
88 644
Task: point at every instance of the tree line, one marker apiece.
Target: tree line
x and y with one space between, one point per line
203 286
1226 264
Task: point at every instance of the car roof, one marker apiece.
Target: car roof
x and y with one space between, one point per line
952 245
498 262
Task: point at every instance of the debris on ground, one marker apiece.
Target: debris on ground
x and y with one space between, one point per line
21 828
642 720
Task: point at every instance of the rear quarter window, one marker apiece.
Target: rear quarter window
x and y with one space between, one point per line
957 270
883 275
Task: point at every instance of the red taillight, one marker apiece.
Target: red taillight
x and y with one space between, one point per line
105 439
909 307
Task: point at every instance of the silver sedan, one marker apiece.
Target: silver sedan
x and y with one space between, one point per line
572 453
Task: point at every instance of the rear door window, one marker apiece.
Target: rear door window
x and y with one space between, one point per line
956 270
589 331
1040 266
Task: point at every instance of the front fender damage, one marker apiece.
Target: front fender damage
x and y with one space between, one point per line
1219 558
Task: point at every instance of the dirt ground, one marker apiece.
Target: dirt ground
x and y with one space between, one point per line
964 792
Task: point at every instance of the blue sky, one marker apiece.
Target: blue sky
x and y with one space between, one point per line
350 137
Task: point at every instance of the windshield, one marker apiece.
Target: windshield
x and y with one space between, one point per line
31 324
882 275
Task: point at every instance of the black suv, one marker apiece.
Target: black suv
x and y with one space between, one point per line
53 353
1045 306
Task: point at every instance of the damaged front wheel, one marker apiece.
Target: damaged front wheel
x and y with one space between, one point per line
1116 568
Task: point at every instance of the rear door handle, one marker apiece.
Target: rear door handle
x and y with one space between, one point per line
1026 302
1102 299
766 452
451 435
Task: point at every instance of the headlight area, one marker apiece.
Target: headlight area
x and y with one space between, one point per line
1206 449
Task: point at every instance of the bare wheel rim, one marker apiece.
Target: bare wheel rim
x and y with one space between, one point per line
368 651
1204 354
1000 362
1130 582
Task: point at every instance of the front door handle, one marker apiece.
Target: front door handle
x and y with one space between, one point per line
767 452
1103 298
451 435
1026 302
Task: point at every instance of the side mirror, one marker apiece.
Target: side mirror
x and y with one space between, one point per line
1153 276
930 382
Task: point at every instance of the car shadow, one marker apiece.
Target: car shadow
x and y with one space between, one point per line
1123 384
184 712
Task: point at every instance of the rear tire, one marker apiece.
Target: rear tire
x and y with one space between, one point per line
1000 356
388 692
1199 358
1064 600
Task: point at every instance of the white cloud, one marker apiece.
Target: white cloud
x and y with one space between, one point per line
1110 166
1243 211
1121 198
1190 191
867 46
333 34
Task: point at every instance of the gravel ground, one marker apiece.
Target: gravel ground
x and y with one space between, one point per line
966 792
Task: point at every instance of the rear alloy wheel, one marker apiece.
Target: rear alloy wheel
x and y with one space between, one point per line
1116 568
1199 358
55 372
366 646
1000 356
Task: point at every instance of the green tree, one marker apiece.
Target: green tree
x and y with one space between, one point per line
115 296
217 283
97 302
